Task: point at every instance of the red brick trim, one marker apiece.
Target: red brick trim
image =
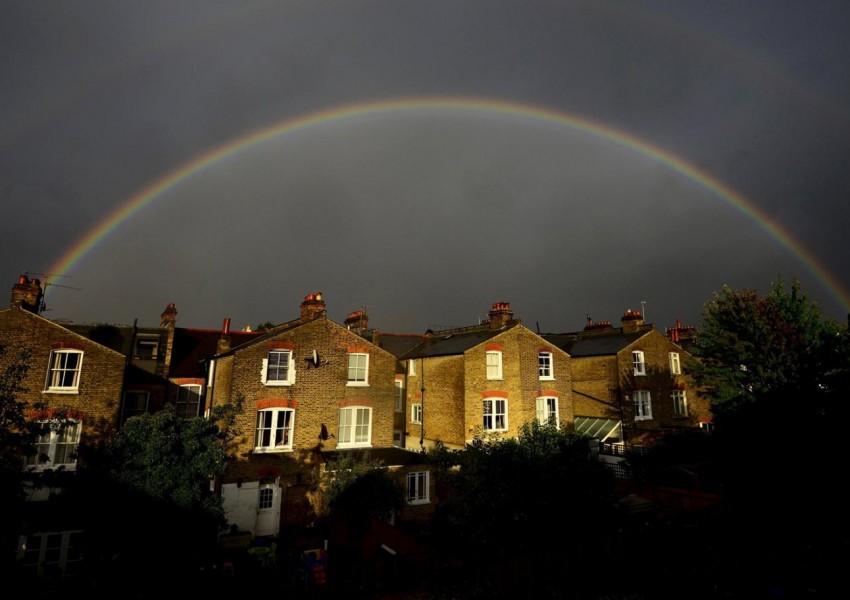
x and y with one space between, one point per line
491 393
496 347
268 472
275 403
547 393
68 346
545 349
280 345
399 378
356 402
359 349
188 380
45 414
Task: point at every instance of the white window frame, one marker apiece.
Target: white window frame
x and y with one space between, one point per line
274 429
545 366
146 342
60 377
355 427
416 414
182 405
494 364
269 367
547 410
639 362
675 363
358 374
411 367
679 400
399 396
642 403
498 411
41 552
136 411
59 441
418 487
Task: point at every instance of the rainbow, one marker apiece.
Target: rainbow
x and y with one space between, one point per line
157 189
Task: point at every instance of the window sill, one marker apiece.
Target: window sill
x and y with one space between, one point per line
418 502
277 383
61 391
357 384
272 450
643 418
549 378
344 446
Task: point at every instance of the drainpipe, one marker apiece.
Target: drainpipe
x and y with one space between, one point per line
422 424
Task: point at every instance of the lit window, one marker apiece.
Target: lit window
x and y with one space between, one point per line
494 364
643 405
417 488
416 413
358 368
680 403
675 364
399 395
639 363
547 410
64 372
189 400
544 365
56 445
278 368
495 414
135 403
355 426
274 429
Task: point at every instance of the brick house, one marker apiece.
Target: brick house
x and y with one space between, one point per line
486 379
630 383
73 385
311 389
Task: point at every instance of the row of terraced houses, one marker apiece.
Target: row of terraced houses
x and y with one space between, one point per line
313 389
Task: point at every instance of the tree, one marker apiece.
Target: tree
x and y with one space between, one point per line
777 373
153 479
16 442
531 507
361 489
751 346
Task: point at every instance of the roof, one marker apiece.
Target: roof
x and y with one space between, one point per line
596 344
446 344
394 343
192 346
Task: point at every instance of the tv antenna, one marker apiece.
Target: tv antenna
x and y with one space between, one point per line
43 305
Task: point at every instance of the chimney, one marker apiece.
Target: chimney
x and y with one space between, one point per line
223 344
27 294
313 307
500 315
632 320
357 321
168 318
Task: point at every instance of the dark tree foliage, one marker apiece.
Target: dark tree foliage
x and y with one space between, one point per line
361 490
522 511
777 372
16 442
144 494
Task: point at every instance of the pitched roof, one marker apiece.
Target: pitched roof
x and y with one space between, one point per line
193 346
446 344
396 344
596 344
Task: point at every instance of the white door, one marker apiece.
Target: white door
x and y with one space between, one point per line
268 508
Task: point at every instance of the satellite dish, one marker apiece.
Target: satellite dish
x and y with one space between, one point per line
315 358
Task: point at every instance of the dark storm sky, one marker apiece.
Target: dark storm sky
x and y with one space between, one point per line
425 216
